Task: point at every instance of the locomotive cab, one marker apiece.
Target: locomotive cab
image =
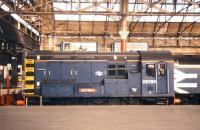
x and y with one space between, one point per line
157 74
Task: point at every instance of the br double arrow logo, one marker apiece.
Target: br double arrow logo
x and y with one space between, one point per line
180 76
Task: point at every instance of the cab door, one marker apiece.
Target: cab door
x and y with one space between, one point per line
149 79
162 78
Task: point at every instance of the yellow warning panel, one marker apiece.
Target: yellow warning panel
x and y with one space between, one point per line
29 69
29 78
19 79
29 61
29 86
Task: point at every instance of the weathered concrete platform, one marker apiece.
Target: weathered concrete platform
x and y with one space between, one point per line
100 118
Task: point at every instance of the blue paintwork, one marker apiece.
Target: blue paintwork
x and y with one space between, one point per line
89 78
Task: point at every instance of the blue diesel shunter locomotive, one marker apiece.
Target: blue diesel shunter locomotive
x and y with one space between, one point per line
131 77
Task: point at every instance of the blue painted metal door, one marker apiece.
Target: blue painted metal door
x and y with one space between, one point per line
162 78
40 76
149 79
83 72
68 71
54 70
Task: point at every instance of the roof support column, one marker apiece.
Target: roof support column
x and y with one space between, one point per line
123 24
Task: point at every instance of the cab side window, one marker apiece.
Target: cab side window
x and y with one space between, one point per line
161 69
150 70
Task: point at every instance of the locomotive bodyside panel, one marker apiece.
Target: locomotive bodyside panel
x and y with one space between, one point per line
99 72
134 78
116 87
56 90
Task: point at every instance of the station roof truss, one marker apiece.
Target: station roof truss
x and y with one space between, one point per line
162 23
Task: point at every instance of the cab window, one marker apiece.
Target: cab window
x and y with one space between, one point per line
150 70
161 69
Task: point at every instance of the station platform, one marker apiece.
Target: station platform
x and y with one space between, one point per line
108 117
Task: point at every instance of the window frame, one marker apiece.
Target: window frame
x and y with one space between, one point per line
164 69
116 69
150 70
